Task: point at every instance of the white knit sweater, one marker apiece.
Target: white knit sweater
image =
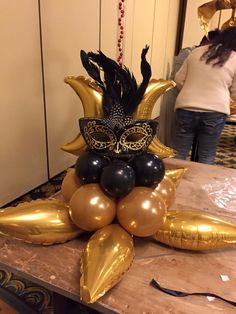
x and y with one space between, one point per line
204 87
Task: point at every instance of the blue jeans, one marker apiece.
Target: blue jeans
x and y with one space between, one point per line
205 126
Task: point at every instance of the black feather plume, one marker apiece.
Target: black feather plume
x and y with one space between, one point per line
121 94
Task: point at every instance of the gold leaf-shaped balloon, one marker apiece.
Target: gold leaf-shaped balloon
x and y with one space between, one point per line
108 255
195 230
160 149
207 10
41 222
155 89
175 174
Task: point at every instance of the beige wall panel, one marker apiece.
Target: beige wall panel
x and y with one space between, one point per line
172 25
68 27
109 20
129 30
138 33
164 39
23 149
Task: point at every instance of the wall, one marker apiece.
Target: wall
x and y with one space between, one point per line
23 160
39 112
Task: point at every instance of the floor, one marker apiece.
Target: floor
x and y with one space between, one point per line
43 301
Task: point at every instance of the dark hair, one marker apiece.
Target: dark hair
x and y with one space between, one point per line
210 37
221 48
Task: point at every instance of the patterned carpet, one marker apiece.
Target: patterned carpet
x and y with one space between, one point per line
20 293
226 151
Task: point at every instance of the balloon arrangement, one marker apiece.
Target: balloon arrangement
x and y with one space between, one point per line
119 187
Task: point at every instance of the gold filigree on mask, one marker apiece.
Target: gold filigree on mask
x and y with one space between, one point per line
99 136
136 137
131 140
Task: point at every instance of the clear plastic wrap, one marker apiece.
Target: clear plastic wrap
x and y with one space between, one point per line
223 193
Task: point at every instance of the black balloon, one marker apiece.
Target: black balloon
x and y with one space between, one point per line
117 179
88 167
149 169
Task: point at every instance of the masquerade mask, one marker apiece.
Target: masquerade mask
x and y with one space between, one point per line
117 133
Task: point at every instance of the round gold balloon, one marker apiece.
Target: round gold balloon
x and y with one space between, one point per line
166 189
70 184
90 208
141 212
40 222
175 174
108 255
195 230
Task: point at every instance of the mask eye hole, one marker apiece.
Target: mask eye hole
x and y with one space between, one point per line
100 136
134 137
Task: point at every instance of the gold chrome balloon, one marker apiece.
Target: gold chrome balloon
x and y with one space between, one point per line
70 184
41 222
91 98
195 230
76 147
175 174
166 188
160 149
141 212
155 89
90 208
207 10
89 93
108 255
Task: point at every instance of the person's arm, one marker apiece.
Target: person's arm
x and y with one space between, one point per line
180 76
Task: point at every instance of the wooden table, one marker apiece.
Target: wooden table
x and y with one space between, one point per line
57 267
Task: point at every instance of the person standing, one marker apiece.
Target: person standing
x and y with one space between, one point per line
166 130
207 81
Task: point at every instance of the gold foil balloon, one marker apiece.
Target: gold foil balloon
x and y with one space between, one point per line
108 255
175 174
70 184
195 230
155 89
142 212
90 208
91 98
160 149
207 10
166 188
40 222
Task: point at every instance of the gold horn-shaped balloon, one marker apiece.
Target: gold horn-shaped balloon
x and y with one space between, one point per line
91 98
155 89
108 255
207 11
41 222
195 230
175 174
160 149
